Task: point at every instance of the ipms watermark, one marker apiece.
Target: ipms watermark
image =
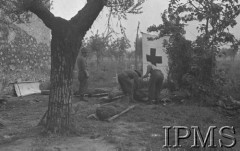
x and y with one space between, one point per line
214 137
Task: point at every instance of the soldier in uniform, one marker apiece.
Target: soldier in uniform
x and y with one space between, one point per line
126 81
155 81
83 74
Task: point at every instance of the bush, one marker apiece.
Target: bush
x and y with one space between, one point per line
179 52
228 77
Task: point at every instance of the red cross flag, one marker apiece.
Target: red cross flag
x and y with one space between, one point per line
154 51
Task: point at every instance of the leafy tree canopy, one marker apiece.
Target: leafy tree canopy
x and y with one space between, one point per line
15 10
215 17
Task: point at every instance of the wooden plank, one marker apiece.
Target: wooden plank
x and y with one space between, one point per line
93 95
117 115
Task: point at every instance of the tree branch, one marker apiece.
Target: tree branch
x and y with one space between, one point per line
84 19
109 18
196 7
38 8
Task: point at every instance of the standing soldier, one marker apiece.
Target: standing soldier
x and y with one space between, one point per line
82 73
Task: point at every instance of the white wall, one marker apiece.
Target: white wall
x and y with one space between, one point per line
160 51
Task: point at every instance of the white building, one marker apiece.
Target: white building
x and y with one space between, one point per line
154 50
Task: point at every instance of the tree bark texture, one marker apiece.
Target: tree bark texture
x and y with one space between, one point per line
65 44
64 51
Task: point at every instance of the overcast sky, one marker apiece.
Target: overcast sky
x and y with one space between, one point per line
152 10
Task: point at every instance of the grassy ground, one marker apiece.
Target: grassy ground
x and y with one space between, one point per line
139 129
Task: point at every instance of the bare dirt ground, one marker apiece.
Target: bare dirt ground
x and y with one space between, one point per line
138 130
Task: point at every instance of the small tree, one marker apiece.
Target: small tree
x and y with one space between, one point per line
121 45
130 55
98 44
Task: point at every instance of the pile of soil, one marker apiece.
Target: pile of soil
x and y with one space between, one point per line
107 111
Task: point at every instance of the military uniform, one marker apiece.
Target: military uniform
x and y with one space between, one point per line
82 74
126 81
155 82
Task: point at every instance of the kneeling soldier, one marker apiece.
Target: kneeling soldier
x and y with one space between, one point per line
126 80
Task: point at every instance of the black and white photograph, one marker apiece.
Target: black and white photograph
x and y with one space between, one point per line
119 75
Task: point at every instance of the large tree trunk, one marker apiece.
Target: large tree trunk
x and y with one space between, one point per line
63 58
66 40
